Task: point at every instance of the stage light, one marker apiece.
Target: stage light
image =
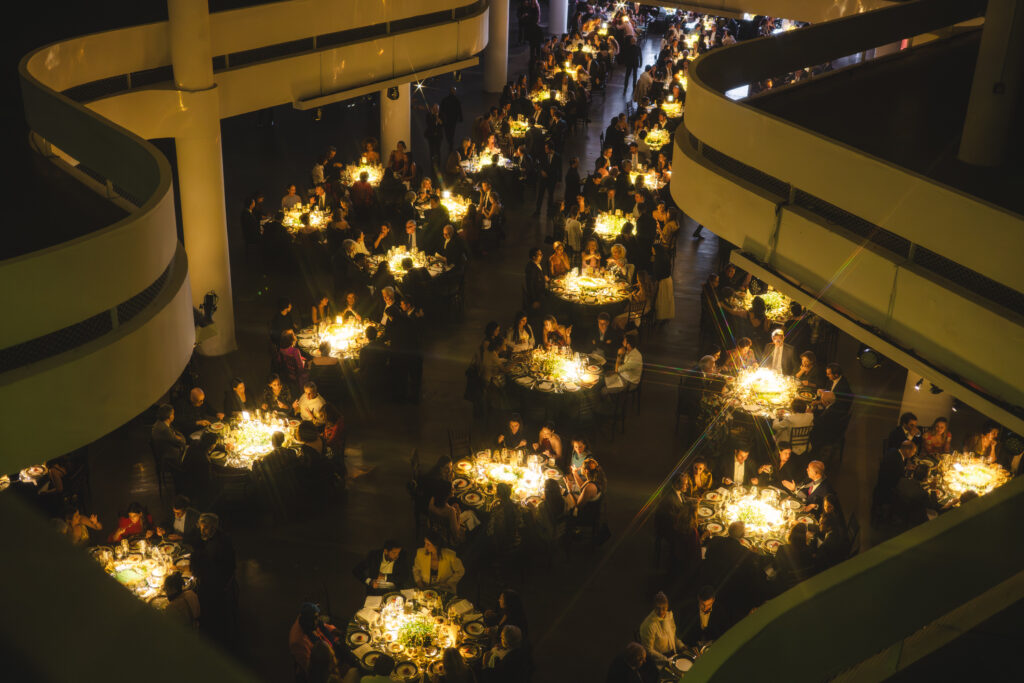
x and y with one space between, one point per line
956 405
917 387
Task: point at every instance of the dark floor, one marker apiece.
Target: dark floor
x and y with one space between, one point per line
596 598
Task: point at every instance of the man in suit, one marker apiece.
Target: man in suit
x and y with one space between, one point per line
453 249
646 232
385 569
193 414
778 355
373 362
840 386
572 182
737 468
906 430
818 489
615 136
182 524
435 220
413 237
558 129
610 203
730 566
168 442
416 283
605 341
550 174
893 466
536 280
637 158
508 662
632 666
450 110
705 623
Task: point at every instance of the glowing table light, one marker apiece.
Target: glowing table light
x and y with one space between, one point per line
608 225
248 438
318 220
657 138
602 288
672 108
762 515
457 205
351 173
960 472
762 391
652 180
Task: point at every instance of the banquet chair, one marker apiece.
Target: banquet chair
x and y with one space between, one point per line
459 444
634 392
801 437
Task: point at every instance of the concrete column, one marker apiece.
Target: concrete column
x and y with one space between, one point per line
996 85
394 120
200 168
923 403
558 16
496 54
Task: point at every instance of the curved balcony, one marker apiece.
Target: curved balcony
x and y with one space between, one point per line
909 256
812 11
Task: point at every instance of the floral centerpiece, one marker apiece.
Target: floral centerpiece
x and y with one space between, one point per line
776 304
651 179
457 205
351 173
249 437
346 337
762 391
604 288
542 96
394 258
657 138
960 472
318 220
672 107
608 225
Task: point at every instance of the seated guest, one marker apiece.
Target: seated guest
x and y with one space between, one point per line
984 443
550 516
697 481
737 468
322 310
834 546
591 483
291 198
793 561
310 406
809 374
77 525
507 662
453 249
706 623
906 430
326 373
168 443
658 631
731 567
510 612
416 284
618 265
629 367
741 357
549 443
797 418
605 340
455 668
520 335
554 335
277 397
307 630
786 474
236 400
351 308
912 499
182 524
182 603
385 569
334 429
436 566
591 255
937 439
504 528
558 262
135 523
373 361
580 453
818 489
513 436
194 414
778 355
632 666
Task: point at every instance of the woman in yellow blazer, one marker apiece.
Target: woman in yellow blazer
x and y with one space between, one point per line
436 566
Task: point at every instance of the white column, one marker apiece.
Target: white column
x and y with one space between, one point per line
394 120
923 403
496 54
996 85
200 167
558 17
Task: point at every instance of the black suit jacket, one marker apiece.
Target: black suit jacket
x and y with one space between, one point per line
817 497
844 395
897 436
454 252
534 283
369 569
829 427
416 286
725 469
690 632
552 167
620 672
609 345
790 364
732 569
191 533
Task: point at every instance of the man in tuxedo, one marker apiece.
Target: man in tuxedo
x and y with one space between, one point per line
893 466
572 182
840 386
818 489
192 415
906 430
536 280
605 341
453 249
416 283
637 158
778 355
450 110
615 136
558 129
737 468
632 666
436 218
413 238
610 201
385 569
730 566
550 174
706 623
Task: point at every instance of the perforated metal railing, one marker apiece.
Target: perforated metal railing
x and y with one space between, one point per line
936 264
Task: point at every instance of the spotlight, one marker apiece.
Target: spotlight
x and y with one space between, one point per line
917 387
935 390
956 405
203 316
393 93
869 358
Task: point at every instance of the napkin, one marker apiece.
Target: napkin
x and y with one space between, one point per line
362 650
469 520
409 593
461 607
368 615
472 616
373 601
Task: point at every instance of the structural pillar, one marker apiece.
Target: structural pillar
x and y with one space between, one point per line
558 16
201 168
496 53
996 85
394 120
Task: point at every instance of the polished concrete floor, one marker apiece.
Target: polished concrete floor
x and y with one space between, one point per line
583 610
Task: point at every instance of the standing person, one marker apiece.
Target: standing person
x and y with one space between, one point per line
433 132
572 182
213 563
451 116
631 59
550 166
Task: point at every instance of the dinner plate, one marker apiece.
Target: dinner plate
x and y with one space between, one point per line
218 456
369 659
545 386
683 664
792 504
473 498
436 668
705 511
293 423
926 461
772 545
806 393
598 361
168 548
357 638
571 386
470 651
474 629
713 497
394 648
464 465
406 670
35 471
524 381
714 528
593 369
430 595
459 483
217 427
806 519
533 501
552 473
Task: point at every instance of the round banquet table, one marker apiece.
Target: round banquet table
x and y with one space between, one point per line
225 457
475 481
368 634
141 566
713 517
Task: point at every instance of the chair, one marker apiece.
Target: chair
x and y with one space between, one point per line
800 437
635 391
635 313
459 445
